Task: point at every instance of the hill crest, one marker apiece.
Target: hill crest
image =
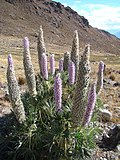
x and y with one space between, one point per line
23 17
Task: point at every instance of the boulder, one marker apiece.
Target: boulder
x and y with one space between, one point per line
105 115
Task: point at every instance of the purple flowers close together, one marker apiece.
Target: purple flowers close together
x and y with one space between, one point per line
61 65
28 68
100 77
14 92
44 66
58 92
71 72
90 105
100 71
101 66
52 64
26 43
10 62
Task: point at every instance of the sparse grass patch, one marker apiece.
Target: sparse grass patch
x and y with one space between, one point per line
112 77
21 80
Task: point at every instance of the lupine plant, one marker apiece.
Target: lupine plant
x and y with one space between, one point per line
14 92
28 68
75 51
44 66
52 64
40 47
57 118
58 92
100 77
80 97
90 106
71 72
66 61
61 65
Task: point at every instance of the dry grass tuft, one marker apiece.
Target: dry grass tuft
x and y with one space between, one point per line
21 81
112 77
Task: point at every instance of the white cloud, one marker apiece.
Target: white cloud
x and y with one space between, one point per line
101 16
77 1
65 4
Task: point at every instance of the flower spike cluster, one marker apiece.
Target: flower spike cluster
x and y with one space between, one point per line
71 72
44 66
40 47
58 92
52 64
61 65
90 106
28 68
14 92
66 61
81 90
75 52
100 77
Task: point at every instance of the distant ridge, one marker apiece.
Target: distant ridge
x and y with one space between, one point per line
23 18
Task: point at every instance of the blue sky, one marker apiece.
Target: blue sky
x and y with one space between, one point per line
102 14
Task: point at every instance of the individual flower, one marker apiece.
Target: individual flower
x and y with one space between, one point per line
100 77
14 92
28 68
58 92
61 65
71 72
90 106
44 66
52 64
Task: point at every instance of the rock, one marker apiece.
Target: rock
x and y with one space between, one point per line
116 84
11 1
105 115
110 141
2 67
111 82
106 106
7 97
82 20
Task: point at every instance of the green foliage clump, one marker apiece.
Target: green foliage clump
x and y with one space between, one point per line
46 135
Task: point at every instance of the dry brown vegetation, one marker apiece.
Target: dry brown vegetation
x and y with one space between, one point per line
110 95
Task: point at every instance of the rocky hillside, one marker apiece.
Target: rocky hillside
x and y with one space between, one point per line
23 17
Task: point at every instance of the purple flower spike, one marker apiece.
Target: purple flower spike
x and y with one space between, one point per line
61 65
71 71
10 62
52 64
58 92
26 43
100 77
44 66
90 106
101 66
14 92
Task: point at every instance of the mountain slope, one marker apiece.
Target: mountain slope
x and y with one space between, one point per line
23 18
